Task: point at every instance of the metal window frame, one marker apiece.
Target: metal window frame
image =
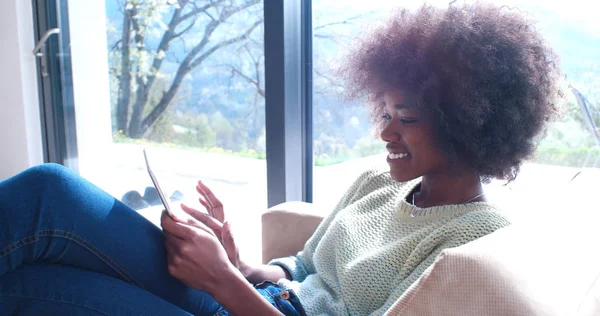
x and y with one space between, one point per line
288 95
57 109
288 100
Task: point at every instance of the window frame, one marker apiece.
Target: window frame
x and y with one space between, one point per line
288 82
288 95
57 106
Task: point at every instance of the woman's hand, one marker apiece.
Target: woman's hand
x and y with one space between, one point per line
222 232
215 220
195 255
213 206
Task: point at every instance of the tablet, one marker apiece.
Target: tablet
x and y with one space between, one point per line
163 199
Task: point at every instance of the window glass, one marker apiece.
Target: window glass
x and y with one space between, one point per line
344 144
184 79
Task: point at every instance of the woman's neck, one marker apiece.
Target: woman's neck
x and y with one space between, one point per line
445 189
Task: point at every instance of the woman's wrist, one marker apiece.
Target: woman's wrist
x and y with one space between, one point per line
247 270
227 283
261 273
221 281
254 274
240 298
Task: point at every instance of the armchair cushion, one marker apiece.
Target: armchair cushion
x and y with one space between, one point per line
286 228
545 264
550 270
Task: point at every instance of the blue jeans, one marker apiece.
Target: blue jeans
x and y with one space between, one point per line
69 248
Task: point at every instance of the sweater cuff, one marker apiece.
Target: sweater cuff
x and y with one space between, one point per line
294 266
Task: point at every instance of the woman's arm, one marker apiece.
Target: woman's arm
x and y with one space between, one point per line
264 272
196 257
292 268
240 298
254 274
298 267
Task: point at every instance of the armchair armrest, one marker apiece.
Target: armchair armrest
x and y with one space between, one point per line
286 227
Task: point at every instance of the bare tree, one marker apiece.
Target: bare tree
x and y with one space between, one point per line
139 66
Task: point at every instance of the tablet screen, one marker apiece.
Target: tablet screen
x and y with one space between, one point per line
155 182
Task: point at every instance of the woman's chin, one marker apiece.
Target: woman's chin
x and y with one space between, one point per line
401 176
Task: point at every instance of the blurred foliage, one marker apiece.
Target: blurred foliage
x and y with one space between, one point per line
220 108
570 157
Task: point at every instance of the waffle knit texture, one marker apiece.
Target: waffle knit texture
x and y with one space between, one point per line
369 250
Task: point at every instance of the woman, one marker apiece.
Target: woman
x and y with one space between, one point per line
460 96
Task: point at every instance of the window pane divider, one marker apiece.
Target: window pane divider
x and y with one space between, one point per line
288 100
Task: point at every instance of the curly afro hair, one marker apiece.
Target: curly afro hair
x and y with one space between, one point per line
484 72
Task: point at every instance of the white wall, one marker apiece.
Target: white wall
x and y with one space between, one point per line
20 131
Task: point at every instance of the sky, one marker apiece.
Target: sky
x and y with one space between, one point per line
583 12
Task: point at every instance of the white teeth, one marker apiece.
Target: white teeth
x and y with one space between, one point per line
397 155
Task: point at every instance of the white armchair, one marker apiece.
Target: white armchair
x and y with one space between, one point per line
510 272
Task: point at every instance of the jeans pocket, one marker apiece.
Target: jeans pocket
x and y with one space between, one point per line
288 302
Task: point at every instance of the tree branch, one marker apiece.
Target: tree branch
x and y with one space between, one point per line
254 82
197 11
230 41
261 91
176 35
229 11
250 53
116 45
346 21
157 61
124 92
239 73
256 64
331 81
140 96
192 61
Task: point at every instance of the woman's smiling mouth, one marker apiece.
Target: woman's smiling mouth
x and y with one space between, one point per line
394 156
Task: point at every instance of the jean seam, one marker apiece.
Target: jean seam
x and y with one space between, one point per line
77 239
54 300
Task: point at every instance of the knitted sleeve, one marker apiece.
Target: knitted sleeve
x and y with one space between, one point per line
302 265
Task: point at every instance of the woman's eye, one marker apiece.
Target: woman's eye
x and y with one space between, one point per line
386 117
408 120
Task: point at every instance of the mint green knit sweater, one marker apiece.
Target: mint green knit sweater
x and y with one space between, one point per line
370 250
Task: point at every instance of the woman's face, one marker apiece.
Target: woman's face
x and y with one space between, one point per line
411 140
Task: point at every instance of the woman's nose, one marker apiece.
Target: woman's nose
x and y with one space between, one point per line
389 133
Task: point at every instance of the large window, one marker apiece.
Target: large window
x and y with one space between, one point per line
186 80
344 143
183 79
196 81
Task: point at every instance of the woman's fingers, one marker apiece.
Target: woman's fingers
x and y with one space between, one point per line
229 244
172 250
190 210
207 197
204 200
173 227
206 205
183 230
168 224
207 193
194 256
206 219
171 242
210 202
